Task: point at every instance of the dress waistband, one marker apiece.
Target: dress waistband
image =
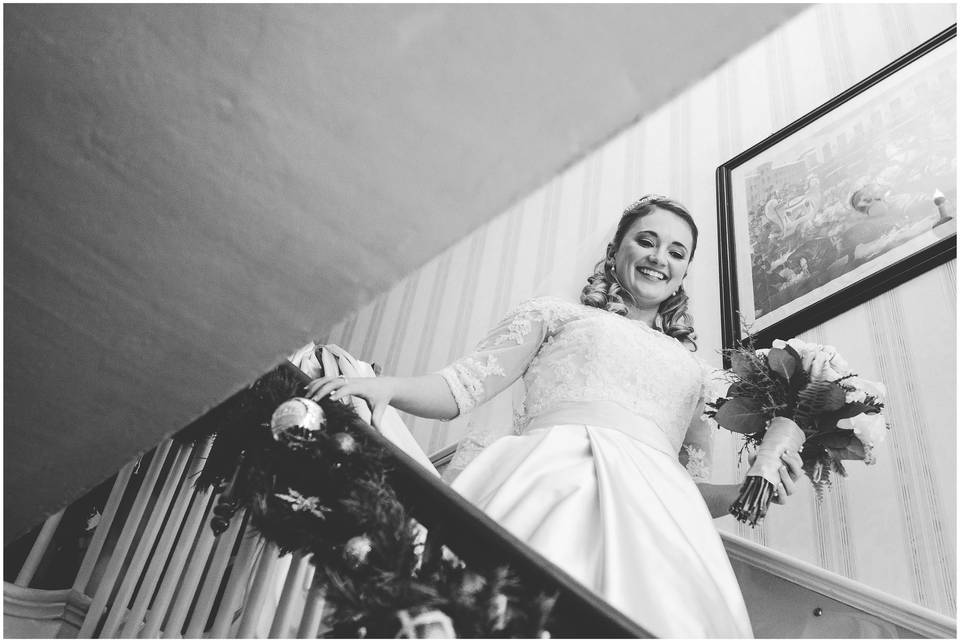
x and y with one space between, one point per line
608 415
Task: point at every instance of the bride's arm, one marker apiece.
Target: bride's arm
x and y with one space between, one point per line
696 455
500 358
718 497
426 396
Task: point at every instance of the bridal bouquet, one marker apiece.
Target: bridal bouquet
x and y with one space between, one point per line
802 397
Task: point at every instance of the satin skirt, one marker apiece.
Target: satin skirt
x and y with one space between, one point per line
619 515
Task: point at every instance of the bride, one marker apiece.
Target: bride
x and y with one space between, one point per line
606 472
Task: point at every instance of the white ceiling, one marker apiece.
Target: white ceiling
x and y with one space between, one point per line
192 191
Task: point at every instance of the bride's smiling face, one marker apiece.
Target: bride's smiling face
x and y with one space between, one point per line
653 257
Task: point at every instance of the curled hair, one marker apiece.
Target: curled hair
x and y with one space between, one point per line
604 291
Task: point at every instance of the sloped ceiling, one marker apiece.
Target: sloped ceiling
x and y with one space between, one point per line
193 191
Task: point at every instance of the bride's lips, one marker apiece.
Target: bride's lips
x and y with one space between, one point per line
647 272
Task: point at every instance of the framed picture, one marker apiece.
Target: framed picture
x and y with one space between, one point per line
847 202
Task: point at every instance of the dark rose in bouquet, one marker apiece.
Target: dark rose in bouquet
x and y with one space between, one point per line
802 397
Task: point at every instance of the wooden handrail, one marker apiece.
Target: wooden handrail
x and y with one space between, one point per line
472 535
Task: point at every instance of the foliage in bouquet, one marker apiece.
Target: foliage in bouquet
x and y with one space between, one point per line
811 384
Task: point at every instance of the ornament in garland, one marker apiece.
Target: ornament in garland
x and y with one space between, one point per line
227 504
357 549
222 515
300 502
345 443
429 624
297 413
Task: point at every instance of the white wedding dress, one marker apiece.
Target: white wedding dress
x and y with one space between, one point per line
592 477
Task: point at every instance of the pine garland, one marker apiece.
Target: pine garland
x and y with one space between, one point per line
328 493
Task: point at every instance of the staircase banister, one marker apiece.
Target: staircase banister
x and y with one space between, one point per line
477 539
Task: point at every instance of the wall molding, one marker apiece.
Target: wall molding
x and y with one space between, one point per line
66 605
877 603
442 457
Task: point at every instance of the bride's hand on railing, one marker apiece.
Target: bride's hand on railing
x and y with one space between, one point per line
376 391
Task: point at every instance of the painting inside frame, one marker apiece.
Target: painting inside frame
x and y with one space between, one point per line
852 193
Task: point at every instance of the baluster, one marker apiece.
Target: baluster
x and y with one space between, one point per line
103 528
38 550
141 551
292 588
313 612
258 591
184 485
191 579
239 577
119 554
308 576
174 571
211 584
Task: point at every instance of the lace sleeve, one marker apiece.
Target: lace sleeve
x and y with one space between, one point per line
501 357
696 453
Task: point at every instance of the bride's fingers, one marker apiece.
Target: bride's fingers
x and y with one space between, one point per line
314 385
332 386
794 464
342 393
320 391
787 483
785 487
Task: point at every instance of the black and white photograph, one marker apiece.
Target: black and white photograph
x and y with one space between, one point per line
479 320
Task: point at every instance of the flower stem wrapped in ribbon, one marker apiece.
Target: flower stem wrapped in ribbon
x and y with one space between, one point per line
781 435
802 397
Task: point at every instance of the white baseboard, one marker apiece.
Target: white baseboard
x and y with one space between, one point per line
871 601
61 611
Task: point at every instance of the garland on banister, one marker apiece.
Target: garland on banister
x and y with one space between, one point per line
313 482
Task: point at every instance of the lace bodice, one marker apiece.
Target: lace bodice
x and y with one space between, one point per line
569 352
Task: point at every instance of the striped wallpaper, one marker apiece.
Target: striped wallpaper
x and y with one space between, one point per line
892 526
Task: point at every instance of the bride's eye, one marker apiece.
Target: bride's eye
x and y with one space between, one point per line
645 242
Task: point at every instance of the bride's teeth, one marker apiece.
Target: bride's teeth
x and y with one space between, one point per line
653 274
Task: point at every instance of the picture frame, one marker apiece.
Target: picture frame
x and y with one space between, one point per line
845 203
